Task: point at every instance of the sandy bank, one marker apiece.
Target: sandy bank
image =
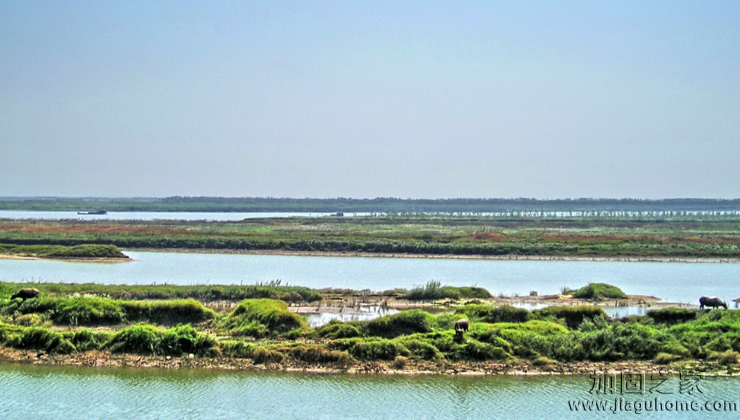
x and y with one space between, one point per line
435 256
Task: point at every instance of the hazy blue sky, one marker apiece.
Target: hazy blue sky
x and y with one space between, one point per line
542 99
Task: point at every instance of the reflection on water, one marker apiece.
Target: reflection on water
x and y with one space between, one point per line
363 313
611 311
33 392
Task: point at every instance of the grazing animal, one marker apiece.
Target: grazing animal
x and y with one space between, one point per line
26 294
711 302
461 326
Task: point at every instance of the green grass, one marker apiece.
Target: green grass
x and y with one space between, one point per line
269 290
265 331
61 251
100 311
598 291
646 236
434 290
260 317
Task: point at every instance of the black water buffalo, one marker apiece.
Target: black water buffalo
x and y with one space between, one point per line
26 294
461 326
711 302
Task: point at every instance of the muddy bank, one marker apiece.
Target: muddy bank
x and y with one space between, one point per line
436 256
101 359
72 259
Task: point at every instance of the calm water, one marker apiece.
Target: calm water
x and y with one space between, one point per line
36 392
680 282
144 215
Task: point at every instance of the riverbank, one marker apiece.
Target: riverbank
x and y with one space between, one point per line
68 259
104 359
431 256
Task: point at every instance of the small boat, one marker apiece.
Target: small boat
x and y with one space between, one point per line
338 214
93 212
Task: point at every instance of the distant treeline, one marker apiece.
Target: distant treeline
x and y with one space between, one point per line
380 205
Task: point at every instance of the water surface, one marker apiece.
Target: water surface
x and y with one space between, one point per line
39 392
679 282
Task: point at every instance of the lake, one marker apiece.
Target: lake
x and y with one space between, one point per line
50 392
673 281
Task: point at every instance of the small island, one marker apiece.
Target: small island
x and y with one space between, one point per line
258 327
85 252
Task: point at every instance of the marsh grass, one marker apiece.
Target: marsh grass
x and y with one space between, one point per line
598 291
61 251
434 290
260 317
270 290
100 311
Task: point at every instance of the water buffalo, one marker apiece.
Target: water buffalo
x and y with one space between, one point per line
711 302
26 294
461 326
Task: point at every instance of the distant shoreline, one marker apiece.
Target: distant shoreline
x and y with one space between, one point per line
432 256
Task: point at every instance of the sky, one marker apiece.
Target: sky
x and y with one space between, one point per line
362 99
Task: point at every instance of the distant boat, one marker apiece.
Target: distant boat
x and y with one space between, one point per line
338 214
93 212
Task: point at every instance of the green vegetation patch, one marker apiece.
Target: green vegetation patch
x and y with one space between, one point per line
260 317
573 315
61 251
404 323
148 339
493 314
100 311
599 291
673 315
434 290
270 290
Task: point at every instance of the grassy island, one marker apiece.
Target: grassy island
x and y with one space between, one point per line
519 235
69 327
76 252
